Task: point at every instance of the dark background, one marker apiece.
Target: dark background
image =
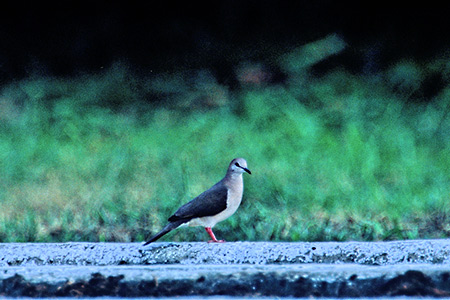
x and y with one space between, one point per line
63 39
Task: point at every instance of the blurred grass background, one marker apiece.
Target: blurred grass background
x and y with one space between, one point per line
110 156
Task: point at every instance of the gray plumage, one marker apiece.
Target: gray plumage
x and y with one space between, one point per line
208 203
212 206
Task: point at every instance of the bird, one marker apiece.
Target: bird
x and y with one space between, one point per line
213 205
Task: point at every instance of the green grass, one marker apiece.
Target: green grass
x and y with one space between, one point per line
109 157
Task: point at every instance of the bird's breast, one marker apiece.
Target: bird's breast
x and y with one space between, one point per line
235 196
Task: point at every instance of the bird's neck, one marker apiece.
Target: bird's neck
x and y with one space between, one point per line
233 179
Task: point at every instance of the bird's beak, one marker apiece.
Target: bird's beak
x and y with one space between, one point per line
247 170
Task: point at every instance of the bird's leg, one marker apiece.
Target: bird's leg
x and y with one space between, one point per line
213 237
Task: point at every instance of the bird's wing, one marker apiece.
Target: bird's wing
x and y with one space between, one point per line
208 203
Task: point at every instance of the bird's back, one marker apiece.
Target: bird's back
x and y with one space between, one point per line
209 203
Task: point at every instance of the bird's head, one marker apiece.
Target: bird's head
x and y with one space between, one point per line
239 166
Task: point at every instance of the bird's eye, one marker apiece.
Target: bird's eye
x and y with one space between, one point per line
236 164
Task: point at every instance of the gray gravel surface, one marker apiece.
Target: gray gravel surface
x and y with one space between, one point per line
256 269
103 254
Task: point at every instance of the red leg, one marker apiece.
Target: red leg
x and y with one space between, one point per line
213 237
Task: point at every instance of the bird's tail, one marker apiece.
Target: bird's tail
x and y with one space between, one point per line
169 227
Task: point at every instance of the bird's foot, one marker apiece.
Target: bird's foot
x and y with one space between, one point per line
211 234
216 241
